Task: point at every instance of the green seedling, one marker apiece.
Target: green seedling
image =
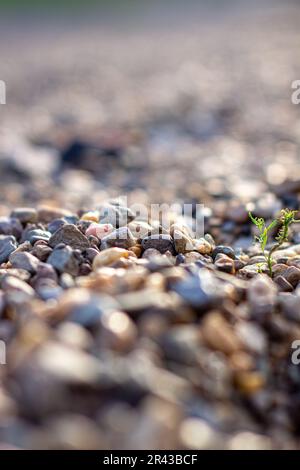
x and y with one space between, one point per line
285 219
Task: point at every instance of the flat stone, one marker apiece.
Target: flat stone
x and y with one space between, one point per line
8 244
115 214
219 334
34 235
162 243
16 291
226 250
261 294
225 263
23 260
9 226
69 235
202 290
55 224
25 215
63 260
121 238
47 213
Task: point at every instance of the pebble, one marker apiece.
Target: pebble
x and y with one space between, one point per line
8 245
25 215
109 256
202 291
56 224
41 252
115 214
120 238
24 260
202 246
219 335
118 331
161 243
9 226
47 213
283 284
69 235
16 291
225 263
140 229
292 275
262 294
226 250
33 235
63 260
99 230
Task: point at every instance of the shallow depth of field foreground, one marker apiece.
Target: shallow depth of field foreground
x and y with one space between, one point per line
118 331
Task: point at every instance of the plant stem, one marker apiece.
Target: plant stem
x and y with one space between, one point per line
269 258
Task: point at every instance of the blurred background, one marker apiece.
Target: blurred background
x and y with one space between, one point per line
161 100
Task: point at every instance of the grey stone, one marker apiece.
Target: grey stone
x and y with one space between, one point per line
25 214
36 234
201 290
162 243
23 260
9 226
69 235
226 250
121 238
8 244
63 260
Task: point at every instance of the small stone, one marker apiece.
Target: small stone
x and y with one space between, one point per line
224 263
41 252
48 289
92 216
23 260
44 270
9 226
292 275
91 253
202 290
150 253
99 230
162 243
249 382
16 291
63 260
35 235
202 246
8 245
55 225
226 250
183 243
219 335
69 235
253 337
47 213
116 215
118 331
278 269
283 284
120 238
262 294
25 215
140 229
109 256
193 257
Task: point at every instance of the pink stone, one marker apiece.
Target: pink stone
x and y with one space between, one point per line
99 230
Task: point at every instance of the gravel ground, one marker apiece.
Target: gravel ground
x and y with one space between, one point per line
147 340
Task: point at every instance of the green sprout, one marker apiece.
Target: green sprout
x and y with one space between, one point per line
285 219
